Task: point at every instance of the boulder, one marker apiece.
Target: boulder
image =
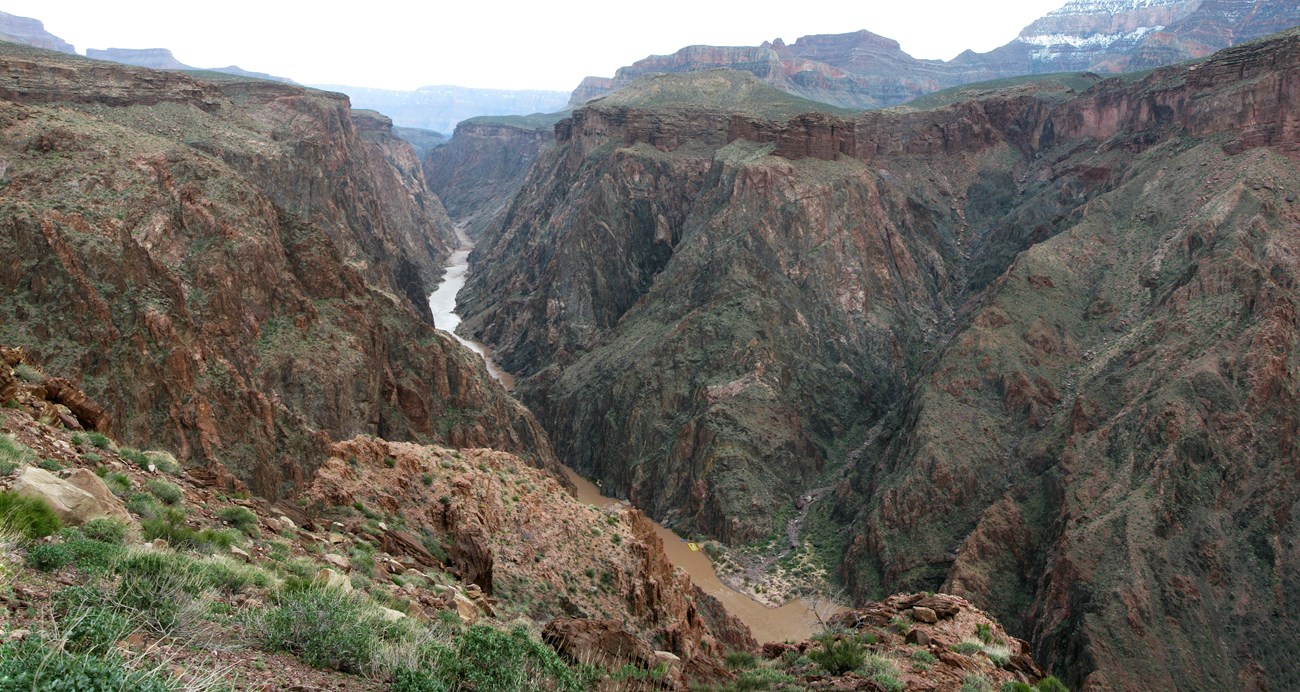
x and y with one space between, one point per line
923 614
390 615
70 499
333 580
602 643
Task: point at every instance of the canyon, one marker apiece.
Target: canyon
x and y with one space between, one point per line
1026 333
1010 367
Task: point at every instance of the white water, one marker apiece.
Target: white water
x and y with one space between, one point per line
442 303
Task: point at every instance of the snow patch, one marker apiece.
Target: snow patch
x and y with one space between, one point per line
1076 7
1095 41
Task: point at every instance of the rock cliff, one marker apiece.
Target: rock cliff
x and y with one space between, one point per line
31 32
236 269
1035 343
479 170
441 108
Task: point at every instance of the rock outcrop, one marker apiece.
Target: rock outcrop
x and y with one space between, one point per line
236 269
1059 314
77 498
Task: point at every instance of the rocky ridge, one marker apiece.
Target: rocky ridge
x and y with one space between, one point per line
711 300
162 59
863 70
236 269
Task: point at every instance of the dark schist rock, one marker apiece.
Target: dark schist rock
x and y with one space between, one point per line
1060 309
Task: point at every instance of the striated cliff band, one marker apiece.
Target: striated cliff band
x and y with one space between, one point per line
235 269
865 70
1032 344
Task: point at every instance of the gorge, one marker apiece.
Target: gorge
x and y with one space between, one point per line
1007 372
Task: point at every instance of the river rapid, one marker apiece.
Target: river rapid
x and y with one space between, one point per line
793 621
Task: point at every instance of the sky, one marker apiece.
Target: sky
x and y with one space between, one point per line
401 44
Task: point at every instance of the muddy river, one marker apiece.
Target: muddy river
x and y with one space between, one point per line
794 620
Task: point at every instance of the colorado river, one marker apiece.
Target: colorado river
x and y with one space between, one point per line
442 303
794 621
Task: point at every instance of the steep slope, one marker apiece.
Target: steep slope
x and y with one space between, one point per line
1111 428
707 284
235 268
1059 318
479 170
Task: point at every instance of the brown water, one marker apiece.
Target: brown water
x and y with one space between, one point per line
442 302
794 621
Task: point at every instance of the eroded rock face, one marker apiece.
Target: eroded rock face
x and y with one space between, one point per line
481 168
1063 315
234 270
31 32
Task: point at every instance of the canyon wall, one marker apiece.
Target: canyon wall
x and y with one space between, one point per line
1038 342
235 269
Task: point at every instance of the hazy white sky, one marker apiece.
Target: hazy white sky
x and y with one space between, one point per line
402 44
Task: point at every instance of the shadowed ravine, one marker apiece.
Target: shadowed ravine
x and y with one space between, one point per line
793 621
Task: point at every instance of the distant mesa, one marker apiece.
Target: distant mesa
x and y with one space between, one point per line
863 70
162 59
31 32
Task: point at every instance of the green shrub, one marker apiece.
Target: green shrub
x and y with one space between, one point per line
154 585
15 453
321 626
163 461
967 647
923 656
106 530
762 679
170 526
50 465
239 517
169 493
34 664
48 557
838 655
99 440
984 632
94 556
118 483
484 658
230 576
739 660
92 457
888 682
78 439
1016 686
29 374
135 456
89 620
976 683
1051 684
406 680
28 516
144 505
